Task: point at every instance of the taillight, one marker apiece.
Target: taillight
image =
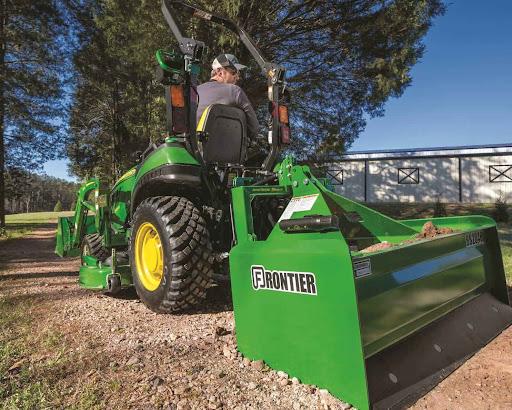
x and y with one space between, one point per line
179 112
284 132
177 96
283 114
284 124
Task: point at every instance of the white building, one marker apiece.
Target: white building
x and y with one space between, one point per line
454 174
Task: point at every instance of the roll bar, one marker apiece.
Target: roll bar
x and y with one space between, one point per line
192 48
185 43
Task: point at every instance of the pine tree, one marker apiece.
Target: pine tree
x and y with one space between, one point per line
32 68
344 60
58 206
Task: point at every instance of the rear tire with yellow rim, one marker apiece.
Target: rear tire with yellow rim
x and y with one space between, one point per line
170 254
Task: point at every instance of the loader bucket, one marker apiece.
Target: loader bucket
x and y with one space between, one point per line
377 329
67 240
63 246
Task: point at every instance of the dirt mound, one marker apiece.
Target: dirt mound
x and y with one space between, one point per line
429 230
377 247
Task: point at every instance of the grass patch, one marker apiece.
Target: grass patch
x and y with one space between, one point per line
18 225
90 398
505 234
35 217
39 369
17 390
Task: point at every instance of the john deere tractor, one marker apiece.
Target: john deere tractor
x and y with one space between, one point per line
323 288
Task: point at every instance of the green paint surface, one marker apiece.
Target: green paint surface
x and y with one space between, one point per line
168 154
324 339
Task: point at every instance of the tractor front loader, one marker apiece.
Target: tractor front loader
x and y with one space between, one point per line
323 288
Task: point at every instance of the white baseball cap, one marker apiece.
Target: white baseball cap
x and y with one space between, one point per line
227 61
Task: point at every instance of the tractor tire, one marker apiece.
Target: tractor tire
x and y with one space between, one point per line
170 254
91 246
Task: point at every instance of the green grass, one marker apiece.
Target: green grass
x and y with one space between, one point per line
18 225
36 365
35 217
505 234
17 390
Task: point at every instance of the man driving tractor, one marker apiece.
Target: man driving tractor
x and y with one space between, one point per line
222 89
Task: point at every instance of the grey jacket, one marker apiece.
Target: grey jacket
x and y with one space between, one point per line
214 92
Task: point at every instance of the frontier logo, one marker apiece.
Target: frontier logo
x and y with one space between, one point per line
283 281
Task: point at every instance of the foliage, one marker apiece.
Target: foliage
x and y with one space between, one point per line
27 192
344 60
33 71
57 207
500 212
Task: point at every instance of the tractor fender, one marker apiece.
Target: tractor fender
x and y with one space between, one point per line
183 179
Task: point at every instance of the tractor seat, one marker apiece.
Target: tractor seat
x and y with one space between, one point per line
225 128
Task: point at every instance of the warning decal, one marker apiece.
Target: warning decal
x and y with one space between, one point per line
298 204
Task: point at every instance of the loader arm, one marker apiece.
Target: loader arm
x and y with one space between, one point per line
71 230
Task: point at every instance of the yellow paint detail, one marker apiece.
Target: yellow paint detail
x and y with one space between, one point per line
127 174
149 256
202 120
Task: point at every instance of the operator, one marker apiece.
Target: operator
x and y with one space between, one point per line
222 89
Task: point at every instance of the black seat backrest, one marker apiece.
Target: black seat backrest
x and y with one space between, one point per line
226 130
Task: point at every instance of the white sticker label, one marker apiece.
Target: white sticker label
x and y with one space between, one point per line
474 238
297 204
362 268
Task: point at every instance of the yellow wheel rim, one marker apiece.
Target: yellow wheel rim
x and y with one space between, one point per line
149 256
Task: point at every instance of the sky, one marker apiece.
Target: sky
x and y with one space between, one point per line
461 93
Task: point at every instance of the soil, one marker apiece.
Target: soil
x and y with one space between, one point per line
428 231
137 359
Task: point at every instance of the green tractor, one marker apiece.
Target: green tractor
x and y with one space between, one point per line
314 292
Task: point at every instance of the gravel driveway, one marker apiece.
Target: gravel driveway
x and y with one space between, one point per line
115 353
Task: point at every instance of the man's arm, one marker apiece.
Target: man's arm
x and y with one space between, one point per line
252 121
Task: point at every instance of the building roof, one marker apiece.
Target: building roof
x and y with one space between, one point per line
464 151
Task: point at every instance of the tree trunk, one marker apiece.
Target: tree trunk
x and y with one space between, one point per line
3 20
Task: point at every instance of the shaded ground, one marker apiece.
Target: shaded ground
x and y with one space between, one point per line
62 346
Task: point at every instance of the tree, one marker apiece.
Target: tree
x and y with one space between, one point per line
57 207
344 60
27 192
32 73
